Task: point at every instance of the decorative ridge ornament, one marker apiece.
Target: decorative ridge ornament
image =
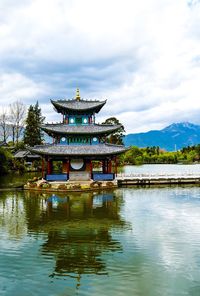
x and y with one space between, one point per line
78 94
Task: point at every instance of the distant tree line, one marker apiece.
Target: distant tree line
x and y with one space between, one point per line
155 155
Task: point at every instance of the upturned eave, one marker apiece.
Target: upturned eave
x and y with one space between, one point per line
77 107
93 129
79 150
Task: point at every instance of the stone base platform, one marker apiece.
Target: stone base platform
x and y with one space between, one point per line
67 186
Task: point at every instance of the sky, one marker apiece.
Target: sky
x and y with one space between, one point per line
142 56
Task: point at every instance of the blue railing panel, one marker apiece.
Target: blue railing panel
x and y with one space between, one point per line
103 177
57 177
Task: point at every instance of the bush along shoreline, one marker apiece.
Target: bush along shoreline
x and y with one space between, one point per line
155 155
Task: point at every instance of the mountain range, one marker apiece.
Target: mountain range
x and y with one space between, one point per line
171 138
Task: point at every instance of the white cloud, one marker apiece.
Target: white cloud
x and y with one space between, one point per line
16 86
141 55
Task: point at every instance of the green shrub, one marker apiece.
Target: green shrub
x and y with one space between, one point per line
5 161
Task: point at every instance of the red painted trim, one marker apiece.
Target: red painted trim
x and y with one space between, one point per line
68 167
43 167
116 166
91 167
49 166
109 166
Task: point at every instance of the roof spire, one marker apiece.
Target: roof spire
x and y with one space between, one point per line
77 94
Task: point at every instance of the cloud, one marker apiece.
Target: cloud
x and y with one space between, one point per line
15 86
141 56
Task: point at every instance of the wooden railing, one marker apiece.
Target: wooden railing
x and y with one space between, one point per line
184 175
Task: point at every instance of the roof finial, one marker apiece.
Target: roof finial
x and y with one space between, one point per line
77 94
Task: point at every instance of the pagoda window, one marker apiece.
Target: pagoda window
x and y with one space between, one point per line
78 140
95 141
71 120
78 120
86 140
85 120
63 140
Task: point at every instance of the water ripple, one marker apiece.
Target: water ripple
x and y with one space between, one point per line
139 242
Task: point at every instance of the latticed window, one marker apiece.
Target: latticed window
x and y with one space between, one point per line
78 120
79 140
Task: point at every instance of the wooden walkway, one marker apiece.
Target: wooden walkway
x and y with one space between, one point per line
157 179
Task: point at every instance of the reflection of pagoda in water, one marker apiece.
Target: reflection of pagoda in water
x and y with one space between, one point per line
78 229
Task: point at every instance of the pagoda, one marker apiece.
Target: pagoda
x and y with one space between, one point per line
78 142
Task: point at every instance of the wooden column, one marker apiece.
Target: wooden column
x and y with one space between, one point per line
91 169
65 166
109 166
115 166
43 167
103 166
68 166
106 166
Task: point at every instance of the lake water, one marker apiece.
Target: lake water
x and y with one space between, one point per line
15 179
131 241
162 169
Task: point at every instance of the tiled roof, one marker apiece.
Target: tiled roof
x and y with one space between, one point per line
21 154
25 153
78 106
93 129
76 150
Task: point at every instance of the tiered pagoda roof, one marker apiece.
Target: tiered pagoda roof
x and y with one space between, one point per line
85 150
76 144
77 106
92 129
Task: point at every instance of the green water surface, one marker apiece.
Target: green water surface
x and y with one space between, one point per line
125 242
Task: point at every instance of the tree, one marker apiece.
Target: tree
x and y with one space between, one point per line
198 151
4 126
39 119
5 159
117 136
17 116
32 134
134 156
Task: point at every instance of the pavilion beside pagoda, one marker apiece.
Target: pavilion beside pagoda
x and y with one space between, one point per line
78 143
